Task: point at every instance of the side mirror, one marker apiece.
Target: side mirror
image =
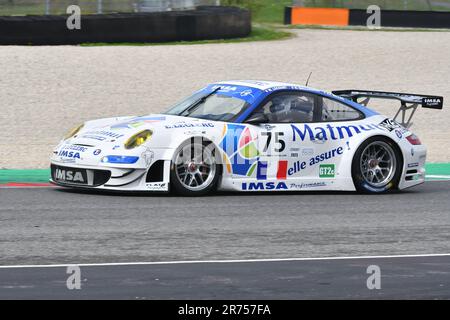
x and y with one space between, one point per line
257 118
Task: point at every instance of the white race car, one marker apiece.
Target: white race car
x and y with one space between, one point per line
250 136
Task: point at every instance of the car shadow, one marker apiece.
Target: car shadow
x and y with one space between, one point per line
225 193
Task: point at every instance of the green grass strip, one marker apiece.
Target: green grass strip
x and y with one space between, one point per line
438 169
32 176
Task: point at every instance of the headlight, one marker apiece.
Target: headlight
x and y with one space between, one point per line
120 159
138 139
73 132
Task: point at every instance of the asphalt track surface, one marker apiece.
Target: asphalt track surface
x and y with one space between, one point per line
54 226
406 278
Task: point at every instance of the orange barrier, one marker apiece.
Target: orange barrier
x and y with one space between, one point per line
320 16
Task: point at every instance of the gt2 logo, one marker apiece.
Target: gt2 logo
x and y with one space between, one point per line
68 176
280 142
264 186
69 154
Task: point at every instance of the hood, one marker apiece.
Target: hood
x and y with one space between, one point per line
116 131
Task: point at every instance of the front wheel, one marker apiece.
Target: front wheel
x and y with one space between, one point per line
377 166
195 171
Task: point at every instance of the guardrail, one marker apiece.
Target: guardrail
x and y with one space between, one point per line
201 24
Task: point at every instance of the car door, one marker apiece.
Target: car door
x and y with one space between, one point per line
277 151
317 147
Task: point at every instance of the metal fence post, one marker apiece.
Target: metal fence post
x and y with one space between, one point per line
99 6
47 7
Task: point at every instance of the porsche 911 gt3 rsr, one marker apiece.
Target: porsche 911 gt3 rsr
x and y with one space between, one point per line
250 136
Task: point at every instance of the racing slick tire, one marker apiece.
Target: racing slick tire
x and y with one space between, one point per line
195 170
377 166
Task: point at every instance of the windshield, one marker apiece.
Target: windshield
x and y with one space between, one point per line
216 106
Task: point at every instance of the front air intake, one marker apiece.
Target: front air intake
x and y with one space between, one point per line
156 172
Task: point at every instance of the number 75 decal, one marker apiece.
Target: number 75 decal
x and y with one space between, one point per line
279 143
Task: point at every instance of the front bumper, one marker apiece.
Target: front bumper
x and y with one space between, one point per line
156 178
82 166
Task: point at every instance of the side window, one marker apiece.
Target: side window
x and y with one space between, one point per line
289 108
335 111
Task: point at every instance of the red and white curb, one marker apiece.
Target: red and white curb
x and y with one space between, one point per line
23 185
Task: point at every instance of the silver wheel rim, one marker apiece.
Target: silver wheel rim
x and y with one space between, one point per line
378 164
195 166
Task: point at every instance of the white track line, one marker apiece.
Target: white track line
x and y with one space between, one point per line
223 261
438 177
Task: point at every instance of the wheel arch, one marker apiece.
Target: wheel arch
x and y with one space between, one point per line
384 136
397 148
214 180
204 140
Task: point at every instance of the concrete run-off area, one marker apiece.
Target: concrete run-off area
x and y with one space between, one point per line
44 91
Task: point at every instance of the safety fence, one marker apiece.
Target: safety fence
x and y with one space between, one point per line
47 7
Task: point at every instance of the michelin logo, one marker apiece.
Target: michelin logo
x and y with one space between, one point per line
102 133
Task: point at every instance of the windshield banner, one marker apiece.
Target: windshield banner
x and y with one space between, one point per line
247 94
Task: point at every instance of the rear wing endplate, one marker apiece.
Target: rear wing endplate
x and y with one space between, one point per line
409 102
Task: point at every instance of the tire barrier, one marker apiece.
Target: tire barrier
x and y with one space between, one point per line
357 17
204 23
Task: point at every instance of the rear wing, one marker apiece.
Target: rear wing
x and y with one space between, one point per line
408 101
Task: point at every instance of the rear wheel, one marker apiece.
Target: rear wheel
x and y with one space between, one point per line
377 166
195 171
